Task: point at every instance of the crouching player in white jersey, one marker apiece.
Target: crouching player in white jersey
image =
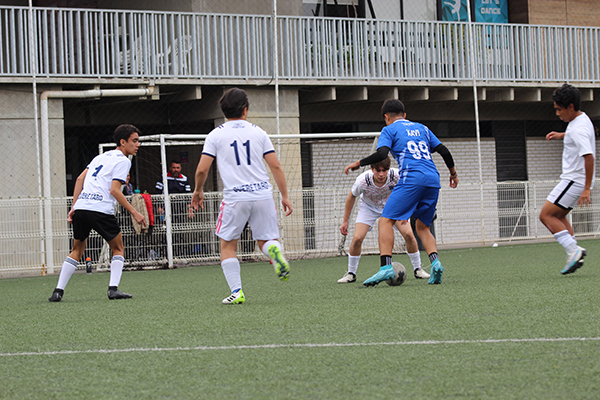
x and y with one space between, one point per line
240 148
374 187
578 173
94 196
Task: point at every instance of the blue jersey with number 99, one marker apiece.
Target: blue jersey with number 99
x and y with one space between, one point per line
411 144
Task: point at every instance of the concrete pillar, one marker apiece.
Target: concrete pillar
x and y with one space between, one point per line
20 178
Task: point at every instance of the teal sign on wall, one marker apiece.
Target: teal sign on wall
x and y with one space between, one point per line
493 11
453 10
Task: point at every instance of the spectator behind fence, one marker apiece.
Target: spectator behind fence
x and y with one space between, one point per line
177 182
180 207
127 186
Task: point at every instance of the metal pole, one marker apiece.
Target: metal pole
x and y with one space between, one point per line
276 67
37 135
477 129
167 198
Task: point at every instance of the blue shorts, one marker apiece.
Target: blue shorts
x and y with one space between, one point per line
412 200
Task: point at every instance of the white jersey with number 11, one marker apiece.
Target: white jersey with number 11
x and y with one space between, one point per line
239 147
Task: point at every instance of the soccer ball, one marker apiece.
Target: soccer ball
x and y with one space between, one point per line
400 275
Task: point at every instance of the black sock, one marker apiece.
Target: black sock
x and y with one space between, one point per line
433 256
112 288
385 260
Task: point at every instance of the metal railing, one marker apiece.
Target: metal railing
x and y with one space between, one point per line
134 44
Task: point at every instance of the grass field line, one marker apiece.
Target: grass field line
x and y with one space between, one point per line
296 345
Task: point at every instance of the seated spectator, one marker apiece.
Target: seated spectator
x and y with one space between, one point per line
178 183
127 186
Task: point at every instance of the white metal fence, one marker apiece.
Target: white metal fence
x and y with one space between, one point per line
509 215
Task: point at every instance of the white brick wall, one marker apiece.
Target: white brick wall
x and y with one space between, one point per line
544 159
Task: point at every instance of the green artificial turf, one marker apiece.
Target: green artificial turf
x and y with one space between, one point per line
503 325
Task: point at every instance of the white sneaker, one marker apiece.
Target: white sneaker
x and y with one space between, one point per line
574 261
235 298
348 277
421 274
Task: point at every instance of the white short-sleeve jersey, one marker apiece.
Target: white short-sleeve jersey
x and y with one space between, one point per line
579 140
372 195
239 148
102 171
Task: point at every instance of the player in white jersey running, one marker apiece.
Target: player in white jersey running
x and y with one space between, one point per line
94 196
373 187
578 173
240 148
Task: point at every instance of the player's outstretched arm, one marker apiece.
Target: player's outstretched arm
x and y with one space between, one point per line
277 171
352 167
350 200
115 190
201 175
379 155
555 135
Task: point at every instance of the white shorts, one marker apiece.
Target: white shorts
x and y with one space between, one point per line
260 214
566 194
367 215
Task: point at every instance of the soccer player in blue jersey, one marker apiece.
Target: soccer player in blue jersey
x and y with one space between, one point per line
416 193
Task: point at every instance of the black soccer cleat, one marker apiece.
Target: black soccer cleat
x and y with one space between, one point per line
116 294
56 295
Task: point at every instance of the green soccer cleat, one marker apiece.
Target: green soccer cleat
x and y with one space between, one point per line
282 268
385 272
235 298
436 273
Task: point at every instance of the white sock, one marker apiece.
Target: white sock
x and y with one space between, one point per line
567 241
415 260
116 270
232 271
268 243
353 263
69 266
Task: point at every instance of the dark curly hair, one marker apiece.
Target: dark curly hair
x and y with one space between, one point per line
567 94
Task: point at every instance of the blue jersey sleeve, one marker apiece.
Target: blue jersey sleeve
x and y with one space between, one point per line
385 139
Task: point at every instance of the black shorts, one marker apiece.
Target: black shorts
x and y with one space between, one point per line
105 224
